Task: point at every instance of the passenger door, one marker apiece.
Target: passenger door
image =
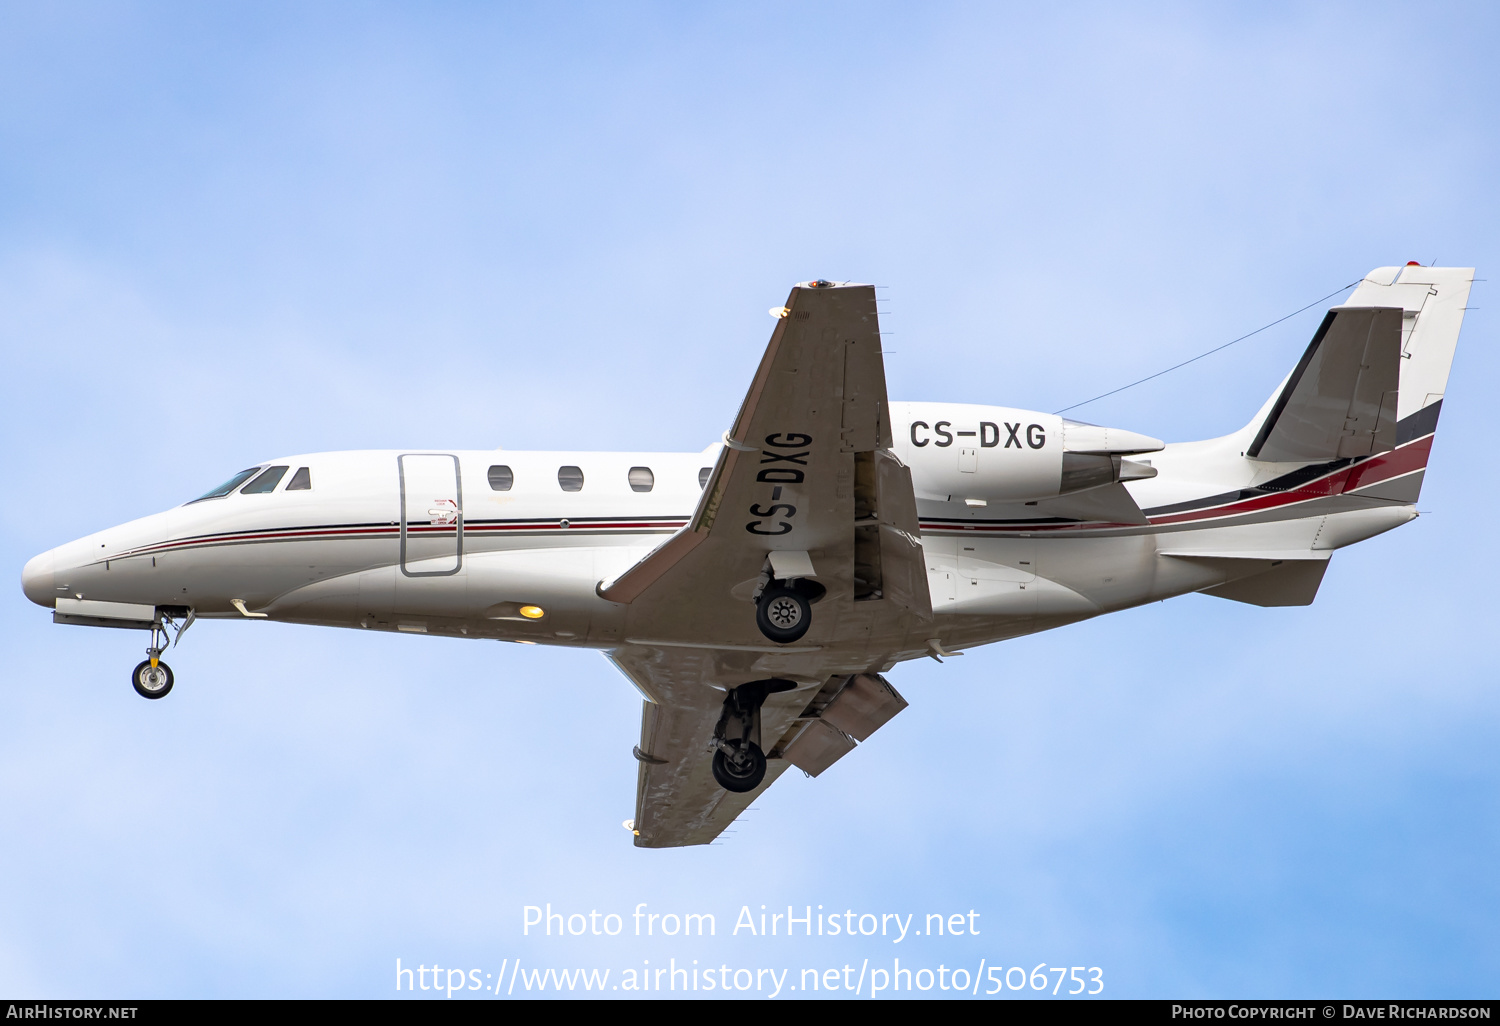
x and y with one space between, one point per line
432 515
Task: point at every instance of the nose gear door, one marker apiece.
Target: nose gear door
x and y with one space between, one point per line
432 514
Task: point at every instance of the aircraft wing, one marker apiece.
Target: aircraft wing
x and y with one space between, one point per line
805 487
678 802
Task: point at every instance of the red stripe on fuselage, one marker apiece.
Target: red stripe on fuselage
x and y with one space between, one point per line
1361 475
391 532
1397 463
1383 467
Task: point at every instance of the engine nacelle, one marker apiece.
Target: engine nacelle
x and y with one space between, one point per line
985 454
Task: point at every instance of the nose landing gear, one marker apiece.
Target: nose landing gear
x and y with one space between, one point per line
739 764
153 678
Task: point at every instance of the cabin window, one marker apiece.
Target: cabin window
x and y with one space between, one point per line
228 486
267 481
703 476
641 479
501 478
301 481
570 478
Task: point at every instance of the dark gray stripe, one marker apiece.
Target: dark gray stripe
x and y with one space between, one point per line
1419 424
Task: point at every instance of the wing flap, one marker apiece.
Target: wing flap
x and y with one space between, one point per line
844 713
902 560
805 487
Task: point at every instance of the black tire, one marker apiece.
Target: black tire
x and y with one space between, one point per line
783 615
742 773
142 680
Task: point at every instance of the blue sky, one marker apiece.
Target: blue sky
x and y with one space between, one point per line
229 232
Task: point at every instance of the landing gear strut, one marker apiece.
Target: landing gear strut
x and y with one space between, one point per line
153 678
739 764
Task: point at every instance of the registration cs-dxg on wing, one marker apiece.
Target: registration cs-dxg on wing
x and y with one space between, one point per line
755 593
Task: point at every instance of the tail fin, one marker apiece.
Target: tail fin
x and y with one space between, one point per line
1338 405
1432 301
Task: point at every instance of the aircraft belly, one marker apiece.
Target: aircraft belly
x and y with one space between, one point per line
334 600
482 599
1108 573
445 595
259 572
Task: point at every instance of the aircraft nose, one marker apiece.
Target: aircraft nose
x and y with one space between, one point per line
37 580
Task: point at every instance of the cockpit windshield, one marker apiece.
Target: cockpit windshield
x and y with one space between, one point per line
265 483
228 486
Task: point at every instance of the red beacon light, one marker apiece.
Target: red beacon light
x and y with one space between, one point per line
1412 263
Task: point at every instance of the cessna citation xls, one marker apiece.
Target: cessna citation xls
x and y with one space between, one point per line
755 592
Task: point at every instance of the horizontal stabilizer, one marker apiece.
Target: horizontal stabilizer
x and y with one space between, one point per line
1340 402
1264 578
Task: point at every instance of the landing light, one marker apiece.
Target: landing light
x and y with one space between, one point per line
532 612
779 311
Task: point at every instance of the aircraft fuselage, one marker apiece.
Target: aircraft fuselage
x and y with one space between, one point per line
457 543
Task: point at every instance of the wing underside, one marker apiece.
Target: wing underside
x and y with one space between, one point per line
678 802
805 488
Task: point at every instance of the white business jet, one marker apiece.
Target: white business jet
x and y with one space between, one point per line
755 592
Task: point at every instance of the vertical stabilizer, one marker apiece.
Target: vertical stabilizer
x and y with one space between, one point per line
1363 402
1432 301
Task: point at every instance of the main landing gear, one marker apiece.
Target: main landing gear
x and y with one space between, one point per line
739 763
153 678
783 612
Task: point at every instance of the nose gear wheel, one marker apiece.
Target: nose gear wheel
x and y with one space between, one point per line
152 681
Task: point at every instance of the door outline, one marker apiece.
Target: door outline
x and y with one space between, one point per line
458 485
